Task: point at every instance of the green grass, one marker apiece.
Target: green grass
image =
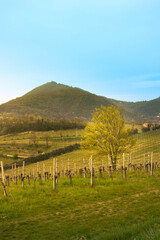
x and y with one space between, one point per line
112 209
32 143
146 143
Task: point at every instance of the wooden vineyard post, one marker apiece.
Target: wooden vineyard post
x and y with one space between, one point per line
130 159
109 167
70 178
18 173
68 164
110 171
144 162
84 166
50 171
103 166
3 180
75 168
37 169
44 170
12 172
23 168
23 175
56 171
123 168
149 164
56 165
15 167
54 174
34 179
62 169
91 169
132 163
151 170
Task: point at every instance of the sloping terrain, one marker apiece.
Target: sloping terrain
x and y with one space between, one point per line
53 100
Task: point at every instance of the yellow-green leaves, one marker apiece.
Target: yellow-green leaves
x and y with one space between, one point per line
107 133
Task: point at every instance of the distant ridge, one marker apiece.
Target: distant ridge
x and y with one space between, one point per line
54 100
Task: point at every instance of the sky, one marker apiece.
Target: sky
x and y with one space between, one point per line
110 48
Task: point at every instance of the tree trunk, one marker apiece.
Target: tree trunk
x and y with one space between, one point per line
114 163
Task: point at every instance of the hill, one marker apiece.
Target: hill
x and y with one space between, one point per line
146 110
53 100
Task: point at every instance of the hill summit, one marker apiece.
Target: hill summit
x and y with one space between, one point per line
54 100
47 87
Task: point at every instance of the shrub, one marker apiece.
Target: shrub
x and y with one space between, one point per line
145 129
15 156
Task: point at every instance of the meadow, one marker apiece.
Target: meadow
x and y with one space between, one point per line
27 144
113 208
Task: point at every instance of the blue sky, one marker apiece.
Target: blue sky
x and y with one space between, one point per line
111 48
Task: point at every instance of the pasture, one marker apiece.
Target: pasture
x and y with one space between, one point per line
113 208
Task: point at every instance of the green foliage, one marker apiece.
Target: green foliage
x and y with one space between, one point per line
15 156
143 110
107 133
53 100
145 129
134 131
33 123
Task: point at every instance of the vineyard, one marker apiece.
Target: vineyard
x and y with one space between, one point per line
143 157
78 196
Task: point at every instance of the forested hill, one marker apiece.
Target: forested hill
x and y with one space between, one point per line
146 110
53 100
47 87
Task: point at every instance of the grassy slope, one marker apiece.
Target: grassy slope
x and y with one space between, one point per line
23 145
146 143
112 209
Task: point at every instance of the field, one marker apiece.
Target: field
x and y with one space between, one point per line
113 208
140 154
29 144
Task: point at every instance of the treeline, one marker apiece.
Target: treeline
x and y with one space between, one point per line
33 123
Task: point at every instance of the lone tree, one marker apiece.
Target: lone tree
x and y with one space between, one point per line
107 134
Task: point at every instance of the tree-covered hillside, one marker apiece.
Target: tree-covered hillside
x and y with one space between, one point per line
53 100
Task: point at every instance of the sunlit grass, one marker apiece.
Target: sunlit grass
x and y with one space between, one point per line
111 209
